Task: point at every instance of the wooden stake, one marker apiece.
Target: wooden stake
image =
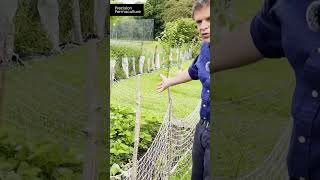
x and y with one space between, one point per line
95 123
2 92
137 130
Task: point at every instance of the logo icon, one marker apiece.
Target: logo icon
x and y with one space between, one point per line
313 16
208 67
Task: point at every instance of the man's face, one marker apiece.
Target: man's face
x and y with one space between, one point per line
202 19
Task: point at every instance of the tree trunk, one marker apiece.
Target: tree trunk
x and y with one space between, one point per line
224 13
8 10
77 33
100 12
49 14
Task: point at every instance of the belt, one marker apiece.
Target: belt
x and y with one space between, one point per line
204 123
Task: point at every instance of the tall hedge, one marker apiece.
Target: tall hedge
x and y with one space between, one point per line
30 36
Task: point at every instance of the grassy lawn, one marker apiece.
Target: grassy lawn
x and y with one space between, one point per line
246 130
51 90
257 111
46 100
185 96
124 93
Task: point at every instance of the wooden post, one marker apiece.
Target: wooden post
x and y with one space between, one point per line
2 93
95 122
137 130
169 137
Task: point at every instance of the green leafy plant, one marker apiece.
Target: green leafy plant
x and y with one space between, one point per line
122 133
180 33
36 160
120 51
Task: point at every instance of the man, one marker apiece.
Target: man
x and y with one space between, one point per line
285 28
199 69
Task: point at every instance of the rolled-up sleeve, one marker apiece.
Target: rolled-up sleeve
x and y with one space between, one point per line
265 30
193 70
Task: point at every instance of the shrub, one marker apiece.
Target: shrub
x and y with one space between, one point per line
122 133
180 33
120 51
30 36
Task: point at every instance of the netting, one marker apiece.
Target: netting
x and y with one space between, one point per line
155 163
252 132
133 29
251 111
274 167
170 153
172 144
169 156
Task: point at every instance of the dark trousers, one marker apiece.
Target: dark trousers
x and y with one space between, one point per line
201 153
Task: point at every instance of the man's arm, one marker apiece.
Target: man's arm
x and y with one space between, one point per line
182 77
235 49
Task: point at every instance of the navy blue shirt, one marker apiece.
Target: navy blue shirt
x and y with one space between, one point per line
280 29
200 69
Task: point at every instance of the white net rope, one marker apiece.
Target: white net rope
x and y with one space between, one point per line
172 143
170 152
249 157
274 167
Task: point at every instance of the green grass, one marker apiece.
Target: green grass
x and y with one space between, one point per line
124 93
244 10
251 127
245 131
185 96
47 98
51 90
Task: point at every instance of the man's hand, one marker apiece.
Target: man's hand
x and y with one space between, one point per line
181 77
164 84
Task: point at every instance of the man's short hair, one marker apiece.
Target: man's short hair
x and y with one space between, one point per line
198 4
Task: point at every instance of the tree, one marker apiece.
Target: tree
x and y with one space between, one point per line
163 11
49 13
224 14
154 10
176 9
182 32
8 10
100 12
77 33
